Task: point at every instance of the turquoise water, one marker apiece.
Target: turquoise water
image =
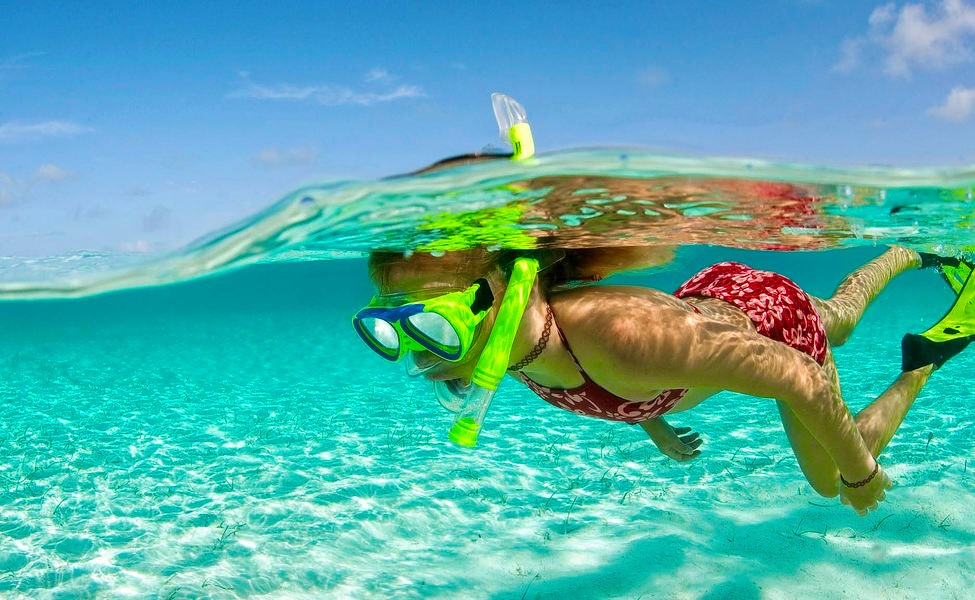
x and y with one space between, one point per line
230 437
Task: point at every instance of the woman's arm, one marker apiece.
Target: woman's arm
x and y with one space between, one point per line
631 341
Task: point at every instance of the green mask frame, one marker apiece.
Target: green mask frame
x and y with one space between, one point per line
444 325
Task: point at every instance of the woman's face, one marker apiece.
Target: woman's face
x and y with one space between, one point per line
426 275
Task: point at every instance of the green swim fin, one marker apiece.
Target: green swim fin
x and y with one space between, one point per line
956 275
953 332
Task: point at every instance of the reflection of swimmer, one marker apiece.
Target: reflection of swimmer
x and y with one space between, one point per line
633 354
594 211
682 210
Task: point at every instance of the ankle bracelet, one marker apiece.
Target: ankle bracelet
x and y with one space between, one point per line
860 484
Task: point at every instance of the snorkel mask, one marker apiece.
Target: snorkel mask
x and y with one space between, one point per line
444 325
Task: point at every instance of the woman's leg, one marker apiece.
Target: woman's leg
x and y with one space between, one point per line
842 312
877 424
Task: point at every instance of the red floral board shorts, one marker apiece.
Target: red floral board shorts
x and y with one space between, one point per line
779 309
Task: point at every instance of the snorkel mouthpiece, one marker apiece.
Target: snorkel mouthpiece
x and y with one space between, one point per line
494 360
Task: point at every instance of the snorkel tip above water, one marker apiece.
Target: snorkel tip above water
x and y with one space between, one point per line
513 125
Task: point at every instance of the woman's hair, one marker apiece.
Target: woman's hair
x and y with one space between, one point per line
592 264
558 267
460 160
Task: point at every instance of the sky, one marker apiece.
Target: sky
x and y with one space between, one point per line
138 127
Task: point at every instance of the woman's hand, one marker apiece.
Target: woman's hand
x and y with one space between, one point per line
680 444
866 498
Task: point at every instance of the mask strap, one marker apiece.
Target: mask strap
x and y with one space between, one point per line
483 297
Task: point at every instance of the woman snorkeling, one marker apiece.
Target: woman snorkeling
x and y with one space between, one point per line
635 354
638 355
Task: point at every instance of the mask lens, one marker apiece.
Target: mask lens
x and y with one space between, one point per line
382 333
433 330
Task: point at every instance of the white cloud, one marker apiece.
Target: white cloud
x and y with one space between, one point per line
51 172
882 16
958 106
16 131
911 38
16 187
325 94
138 246
378 74
850 51
288 157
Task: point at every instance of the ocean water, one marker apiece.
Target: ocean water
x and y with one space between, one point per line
213 428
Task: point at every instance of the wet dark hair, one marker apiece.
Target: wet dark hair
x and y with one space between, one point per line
558 267
460 160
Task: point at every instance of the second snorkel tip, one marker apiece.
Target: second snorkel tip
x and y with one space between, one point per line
464 432
467 426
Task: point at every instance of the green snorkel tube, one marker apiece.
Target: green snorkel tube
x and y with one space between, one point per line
496 356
